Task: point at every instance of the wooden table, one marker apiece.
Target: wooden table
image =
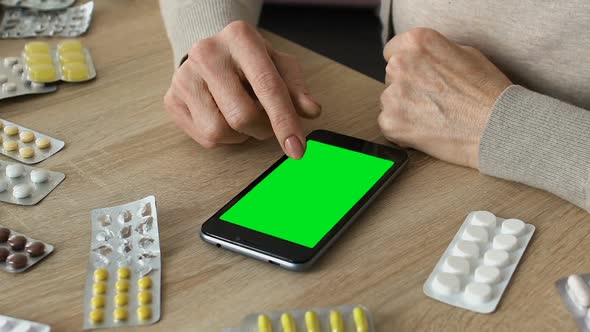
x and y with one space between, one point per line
121 146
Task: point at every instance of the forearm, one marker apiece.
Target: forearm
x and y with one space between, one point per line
188 21
539 141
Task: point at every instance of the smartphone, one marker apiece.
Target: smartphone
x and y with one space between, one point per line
296 209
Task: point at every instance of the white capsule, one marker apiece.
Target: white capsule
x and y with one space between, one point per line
10 61
446 283
456 265
18 68
505 242
3 185
513 226
483 218
39 175
467 249
22 191
487 274
9 87
495 257
477 293
15 170
578 290
475 234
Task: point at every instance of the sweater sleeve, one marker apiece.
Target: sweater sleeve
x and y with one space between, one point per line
188 21
539 141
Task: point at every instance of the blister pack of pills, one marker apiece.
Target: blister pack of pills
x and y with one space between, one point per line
26 185
26 145
350 318
475 269
13 81
19 252
124 269
25 22
38 4
575 293
69 62
11 324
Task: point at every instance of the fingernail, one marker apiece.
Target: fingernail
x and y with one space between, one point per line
294 147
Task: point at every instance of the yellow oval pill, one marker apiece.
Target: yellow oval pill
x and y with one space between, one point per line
70 46
288 323
96 316
122 285
42 73
98 302
27 136
120 314
121 299
144 297
39 59
43 143
26 152
312 322
11 130
360 320
36 47
264 324
10 146
101 274
72 57
144 312
336 321
75 72
99 288
123 272
144 283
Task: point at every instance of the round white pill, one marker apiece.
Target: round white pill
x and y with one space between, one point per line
477 293
39 175
446 283
456 265
10 61
18 68
15 170
22 191
36 86
475 234
483 218
487 274
466 249
496 257
505 242
3 185
513 226
9 87
3 78
578 290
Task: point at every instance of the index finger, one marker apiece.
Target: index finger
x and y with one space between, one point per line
249 51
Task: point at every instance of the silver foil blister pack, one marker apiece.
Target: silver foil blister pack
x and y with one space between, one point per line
575 294
19 252
24 22
13 81
26 145
38 4
123 283
26 185
11 324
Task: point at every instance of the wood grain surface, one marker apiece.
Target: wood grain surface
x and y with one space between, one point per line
121 146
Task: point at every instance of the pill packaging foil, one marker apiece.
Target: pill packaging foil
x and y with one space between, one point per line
13 83
250 322
38 4
124 236
40 154
55 55
39 190
25 22
580 313
498 287
11 324
30 259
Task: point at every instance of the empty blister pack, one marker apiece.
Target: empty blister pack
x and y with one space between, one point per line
26 185
475 269
26 145
38 4
350 318
11 324
124 269
24 22
575 293
13 81
69 62
19 252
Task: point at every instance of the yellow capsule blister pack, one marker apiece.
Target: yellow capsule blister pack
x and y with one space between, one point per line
350 318
70 61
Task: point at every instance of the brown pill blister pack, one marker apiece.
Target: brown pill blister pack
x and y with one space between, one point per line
19 252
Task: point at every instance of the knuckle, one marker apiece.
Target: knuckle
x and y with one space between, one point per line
421 37
281 123
239 29
212 133
267 83
238 120
203 49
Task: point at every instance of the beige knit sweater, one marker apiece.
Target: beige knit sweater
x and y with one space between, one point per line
539 130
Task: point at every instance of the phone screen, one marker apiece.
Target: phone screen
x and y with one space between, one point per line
301 200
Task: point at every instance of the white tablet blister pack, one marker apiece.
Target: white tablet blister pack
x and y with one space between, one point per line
10 324
26 145
38 4
475 269
25 22
13 81
26 185
575 293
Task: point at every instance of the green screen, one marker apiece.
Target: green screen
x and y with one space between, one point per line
301 200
